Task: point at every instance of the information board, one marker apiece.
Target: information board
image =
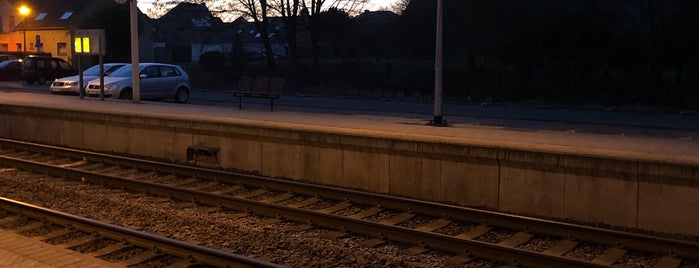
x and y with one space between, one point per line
89 42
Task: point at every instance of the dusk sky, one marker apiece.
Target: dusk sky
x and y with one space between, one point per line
144 5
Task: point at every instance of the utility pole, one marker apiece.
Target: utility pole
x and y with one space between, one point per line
135 78
438 120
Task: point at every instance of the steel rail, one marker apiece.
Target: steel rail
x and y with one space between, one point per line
395 233
166 245
628 240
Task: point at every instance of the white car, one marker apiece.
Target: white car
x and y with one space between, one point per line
71 84
158 81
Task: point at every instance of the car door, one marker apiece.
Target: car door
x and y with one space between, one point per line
169 78
149 82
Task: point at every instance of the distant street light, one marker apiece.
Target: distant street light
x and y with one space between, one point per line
24 11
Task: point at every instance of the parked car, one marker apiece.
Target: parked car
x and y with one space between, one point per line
71 84
158 81
41 69
4 57
11 70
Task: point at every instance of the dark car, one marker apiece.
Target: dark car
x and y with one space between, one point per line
41 69
11 70
4 57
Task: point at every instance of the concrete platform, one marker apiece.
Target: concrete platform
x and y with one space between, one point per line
644 181
644 146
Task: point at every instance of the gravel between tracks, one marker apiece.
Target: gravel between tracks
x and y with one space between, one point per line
249 236
252 236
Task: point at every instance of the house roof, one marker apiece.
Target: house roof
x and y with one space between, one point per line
190 23
373 18
51 14
248 31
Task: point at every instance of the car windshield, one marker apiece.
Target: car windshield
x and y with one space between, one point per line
123 71
92 71
95 70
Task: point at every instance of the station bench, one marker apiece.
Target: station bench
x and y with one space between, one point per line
260 87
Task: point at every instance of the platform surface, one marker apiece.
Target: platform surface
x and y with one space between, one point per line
663 137
672 138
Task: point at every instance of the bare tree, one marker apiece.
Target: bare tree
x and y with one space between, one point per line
289 10
258 11
315 7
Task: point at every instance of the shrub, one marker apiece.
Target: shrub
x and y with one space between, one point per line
212 60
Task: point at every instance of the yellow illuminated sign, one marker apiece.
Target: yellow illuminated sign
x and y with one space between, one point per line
82 44
90 41
78 45
86 44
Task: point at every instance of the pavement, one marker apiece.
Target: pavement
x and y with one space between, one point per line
641 121
605 120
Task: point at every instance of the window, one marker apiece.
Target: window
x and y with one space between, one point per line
66 15
18 46
150 71
64 65
62 49
166 71
41 16
4 47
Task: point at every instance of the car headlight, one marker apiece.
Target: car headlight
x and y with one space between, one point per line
110 86
72 84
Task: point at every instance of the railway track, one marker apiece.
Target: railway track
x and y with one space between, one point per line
466 233
134 247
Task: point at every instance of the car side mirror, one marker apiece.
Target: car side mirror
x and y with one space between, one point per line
143 76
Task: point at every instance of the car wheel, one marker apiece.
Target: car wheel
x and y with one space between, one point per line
182 95
126 94
41 80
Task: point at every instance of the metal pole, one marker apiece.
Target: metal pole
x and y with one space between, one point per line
81 82
136 93
101 77
24 46
438 121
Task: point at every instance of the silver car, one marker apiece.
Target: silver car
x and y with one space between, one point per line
71 84
158 81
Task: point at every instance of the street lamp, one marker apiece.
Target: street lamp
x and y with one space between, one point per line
438 120
24 11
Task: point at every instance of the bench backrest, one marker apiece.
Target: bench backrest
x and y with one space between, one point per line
276 85
244 84
260 84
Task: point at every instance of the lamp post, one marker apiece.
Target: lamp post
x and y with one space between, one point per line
135 78
24 11
438 120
